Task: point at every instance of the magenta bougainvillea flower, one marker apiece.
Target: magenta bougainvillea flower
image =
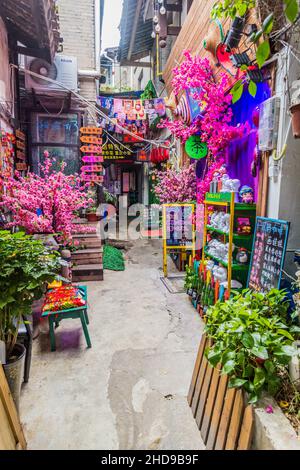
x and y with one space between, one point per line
269 409
45 203
196 74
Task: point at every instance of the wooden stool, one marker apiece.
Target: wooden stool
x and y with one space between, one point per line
55 318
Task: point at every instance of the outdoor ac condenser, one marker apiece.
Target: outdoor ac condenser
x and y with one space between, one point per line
63 70
269 124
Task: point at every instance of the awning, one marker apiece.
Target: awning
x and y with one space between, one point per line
136 40
34 23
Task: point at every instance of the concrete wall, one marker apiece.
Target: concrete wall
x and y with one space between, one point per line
77 27
284 189
6 105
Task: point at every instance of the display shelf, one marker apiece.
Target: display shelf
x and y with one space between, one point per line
236 236
234 266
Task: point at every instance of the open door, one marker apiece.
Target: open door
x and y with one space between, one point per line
11 433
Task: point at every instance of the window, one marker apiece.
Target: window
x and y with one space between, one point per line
60 136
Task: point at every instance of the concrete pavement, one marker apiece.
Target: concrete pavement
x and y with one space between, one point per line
128 391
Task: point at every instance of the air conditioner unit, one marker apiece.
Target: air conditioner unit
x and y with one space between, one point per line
63 70
269 124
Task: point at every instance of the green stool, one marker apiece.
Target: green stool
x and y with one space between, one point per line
55 318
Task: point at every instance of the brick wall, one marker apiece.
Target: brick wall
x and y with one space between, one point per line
77 27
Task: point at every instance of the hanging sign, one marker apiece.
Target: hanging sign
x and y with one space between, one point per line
92 168
91 130
92 159
195 148
91 149
92 178
91 140
20 135
113 152
20 145
269 248
20 155
21 166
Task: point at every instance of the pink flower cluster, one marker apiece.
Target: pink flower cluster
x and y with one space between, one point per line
45 203
203 186
174 186
214 123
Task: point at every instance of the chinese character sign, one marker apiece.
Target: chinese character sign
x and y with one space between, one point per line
268 254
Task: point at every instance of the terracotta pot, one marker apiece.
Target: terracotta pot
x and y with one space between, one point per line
14 370
92 217
295 111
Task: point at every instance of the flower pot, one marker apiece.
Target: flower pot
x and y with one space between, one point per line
14 372
295 111
92 217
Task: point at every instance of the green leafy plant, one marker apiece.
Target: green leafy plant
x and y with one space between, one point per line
190 278
232 8
25 266
92 210
252 339
110 198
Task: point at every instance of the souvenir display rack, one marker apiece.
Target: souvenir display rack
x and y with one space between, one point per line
234 239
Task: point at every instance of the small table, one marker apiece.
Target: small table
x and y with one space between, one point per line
55 318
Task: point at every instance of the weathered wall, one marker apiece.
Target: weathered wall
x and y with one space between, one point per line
6 105
284 189
77 27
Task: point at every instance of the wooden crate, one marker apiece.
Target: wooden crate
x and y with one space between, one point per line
224 419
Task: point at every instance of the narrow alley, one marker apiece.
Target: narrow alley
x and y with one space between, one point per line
128 391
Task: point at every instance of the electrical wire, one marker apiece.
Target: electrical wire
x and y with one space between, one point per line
158 143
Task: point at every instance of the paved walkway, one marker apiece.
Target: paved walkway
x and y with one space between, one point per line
129 390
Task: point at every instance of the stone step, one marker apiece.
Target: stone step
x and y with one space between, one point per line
90 251
85 236
92 256
87 272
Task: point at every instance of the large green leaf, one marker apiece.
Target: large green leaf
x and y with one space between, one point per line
260 351
291 10
252 88
228 367
247 340
263 53
236 382
259 377
237 91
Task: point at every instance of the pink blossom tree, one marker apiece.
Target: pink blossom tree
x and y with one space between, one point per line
45 203
176 186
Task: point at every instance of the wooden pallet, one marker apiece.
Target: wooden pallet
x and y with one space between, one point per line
222 416
88 256
11 432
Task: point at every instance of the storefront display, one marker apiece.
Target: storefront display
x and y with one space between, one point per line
226 250
178 230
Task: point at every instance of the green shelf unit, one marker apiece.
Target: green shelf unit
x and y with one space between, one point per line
236 236
226 202
234 266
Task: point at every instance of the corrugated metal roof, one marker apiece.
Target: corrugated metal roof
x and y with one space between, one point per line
143 41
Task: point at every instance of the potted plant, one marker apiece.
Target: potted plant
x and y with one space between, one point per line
25 266
252 340
91 214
